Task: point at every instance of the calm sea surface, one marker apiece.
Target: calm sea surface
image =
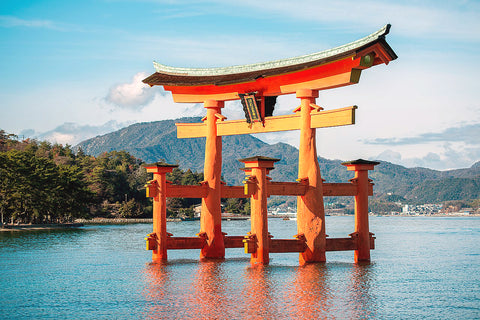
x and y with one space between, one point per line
422 267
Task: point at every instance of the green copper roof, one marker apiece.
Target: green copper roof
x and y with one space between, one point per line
259 158
338 51
160 164
360 161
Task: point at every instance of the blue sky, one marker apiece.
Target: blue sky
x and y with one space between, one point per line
70 70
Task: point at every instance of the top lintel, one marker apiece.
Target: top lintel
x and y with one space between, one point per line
327 69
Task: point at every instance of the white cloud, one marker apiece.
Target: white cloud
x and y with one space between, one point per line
161 107
10 21
16 22
134 94
61 138
390 156
468 134
410 18
442 156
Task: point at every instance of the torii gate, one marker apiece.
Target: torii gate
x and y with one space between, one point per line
258 85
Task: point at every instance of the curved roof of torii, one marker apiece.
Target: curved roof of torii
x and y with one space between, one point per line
275 77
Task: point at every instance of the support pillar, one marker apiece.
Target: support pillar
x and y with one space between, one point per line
211 215
362 232
310 209
257 169
157 189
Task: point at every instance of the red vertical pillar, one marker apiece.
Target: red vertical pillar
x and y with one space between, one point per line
157 188
310 209
257 168
361 167
211 215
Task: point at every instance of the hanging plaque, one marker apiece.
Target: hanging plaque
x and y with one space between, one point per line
250 108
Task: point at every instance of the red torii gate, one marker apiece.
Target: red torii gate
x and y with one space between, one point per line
258 85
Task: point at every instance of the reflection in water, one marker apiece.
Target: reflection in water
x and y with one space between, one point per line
157 277
211 299
99 272
235 290
360 294
311 292
187 289
258 293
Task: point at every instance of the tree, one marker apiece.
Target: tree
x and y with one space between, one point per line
35 189
383 207
131 209
234 205
183 207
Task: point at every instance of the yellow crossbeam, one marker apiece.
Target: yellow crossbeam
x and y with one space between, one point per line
321 119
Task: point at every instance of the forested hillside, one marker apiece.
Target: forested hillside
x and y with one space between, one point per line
42 182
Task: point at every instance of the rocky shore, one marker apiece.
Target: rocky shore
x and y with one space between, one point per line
115 221
46 226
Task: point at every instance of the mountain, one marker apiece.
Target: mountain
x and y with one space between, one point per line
424 185
155 141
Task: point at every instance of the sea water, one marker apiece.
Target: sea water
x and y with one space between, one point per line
422 267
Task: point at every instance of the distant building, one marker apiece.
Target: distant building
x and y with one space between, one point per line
465 211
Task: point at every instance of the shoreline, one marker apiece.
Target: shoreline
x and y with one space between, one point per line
95 221
115 221
43 226
99 221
